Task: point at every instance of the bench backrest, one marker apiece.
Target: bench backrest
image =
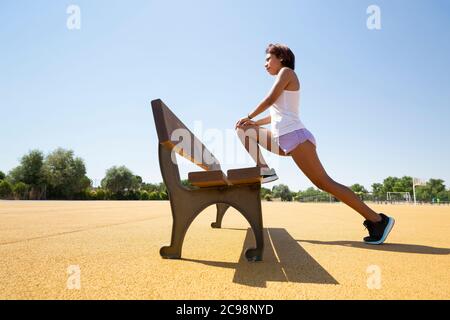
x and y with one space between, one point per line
174 135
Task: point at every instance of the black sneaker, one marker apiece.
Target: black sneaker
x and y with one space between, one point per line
378 231
268 175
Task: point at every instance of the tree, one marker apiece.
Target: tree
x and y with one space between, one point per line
436 186
150 187
2 176
404 184
433 190
282 191
163 195
443 195
30 171
145 195
446 195
264 192
389 183
359 190
100 194
65 174
154 195
312 194
5 189
20 190
186 183
378 191
138 181
162 188
119 180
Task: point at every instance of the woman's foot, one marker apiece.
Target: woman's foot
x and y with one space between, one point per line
378 231
268 175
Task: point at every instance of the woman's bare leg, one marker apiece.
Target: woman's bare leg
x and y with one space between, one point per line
252 137
306 158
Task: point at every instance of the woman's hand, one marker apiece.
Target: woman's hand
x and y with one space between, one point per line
244 122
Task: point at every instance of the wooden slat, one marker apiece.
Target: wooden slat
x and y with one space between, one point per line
204 179
244 175
168 125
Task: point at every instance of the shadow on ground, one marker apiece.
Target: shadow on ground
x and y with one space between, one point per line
293 264
393 247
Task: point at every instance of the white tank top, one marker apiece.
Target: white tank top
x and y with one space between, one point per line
284 113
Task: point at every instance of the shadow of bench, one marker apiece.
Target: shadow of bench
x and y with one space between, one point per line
239 188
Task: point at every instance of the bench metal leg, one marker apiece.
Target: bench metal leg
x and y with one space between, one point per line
251 210
183 213
221 209
179 229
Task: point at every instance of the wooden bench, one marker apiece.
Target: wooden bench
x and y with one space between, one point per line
239 188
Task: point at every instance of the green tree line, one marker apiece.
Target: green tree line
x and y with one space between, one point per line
433 191
62 176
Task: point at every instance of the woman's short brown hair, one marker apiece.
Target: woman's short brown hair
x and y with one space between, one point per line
283 53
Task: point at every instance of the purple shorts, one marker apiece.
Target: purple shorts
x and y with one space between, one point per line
291 140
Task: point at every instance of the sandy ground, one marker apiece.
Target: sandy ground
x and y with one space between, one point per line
313 251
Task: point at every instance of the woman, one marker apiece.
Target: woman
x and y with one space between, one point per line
289 137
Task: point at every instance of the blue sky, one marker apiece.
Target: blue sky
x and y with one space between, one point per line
377 101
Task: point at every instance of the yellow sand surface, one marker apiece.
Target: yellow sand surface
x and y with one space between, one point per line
110 250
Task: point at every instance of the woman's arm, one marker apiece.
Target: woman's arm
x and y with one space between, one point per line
246 121
263 121
283 78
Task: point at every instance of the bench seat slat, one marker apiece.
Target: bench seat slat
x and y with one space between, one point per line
244 175
203 179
